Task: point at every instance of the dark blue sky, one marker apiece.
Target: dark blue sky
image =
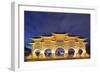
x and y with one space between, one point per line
44 23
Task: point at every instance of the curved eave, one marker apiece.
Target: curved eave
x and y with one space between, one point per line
59 34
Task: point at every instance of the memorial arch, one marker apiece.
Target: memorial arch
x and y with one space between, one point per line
58 46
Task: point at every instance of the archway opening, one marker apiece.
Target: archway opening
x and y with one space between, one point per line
37 52
71 52
59 52
48 52
80 51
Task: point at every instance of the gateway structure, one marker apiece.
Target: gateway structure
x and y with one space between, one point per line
58 46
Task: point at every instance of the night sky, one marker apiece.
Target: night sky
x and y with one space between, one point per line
44 23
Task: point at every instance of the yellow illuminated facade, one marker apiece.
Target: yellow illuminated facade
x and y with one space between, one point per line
58 46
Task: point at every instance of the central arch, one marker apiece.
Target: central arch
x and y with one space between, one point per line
59 52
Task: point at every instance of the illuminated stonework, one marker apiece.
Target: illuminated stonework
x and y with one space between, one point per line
58 46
